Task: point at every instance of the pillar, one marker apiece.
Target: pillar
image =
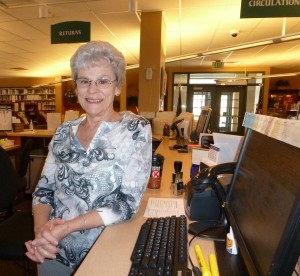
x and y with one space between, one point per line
152 60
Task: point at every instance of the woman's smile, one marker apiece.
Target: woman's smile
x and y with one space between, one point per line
90 100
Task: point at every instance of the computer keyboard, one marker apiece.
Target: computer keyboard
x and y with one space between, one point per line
161 248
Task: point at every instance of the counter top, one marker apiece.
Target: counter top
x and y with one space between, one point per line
34 133
111 253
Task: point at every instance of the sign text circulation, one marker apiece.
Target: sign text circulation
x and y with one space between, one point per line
273 3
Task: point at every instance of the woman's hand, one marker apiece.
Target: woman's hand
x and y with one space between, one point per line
46 240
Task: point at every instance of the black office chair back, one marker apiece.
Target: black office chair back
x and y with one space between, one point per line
8 182
25 158
16 227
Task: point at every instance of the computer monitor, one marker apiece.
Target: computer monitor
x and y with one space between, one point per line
263 205
202 123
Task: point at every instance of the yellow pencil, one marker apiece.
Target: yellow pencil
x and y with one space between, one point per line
202 263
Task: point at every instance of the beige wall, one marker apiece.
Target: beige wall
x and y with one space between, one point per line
294 81
23 82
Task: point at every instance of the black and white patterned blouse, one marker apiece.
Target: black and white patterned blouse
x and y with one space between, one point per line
110 177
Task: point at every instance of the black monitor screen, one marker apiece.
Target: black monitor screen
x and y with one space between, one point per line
263 205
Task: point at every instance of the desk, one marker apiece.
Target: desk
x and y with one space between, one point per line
14 153
41 137
111 253
35 133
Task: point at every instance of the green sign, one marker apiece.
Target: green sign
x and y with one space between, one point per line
70 32
270 8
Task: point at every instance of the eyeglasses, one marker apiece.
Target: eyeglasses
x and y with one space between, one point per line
101 83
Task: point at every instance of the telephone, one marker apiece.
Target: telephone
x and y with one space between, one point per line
208 177
204 199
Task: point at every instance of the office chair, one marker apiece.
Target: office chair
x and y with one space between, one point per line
8 184
23 166
16 227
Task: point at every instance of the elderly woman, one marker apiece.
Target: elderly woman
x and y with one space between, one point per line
97 168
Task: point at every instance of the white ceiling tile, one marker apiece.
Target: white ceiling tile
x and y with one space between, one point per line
192 26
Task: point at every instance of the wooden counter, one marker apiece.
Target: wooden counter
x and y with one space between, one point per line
111 253
43 135
35 133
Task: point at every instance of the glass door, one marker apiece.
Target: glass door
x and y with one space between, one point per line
230 108
228 104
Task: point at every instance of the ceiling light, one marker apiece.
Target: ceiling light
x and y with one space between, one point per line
132 66
290 37
268 41
280 75
178 58
238 47
231 82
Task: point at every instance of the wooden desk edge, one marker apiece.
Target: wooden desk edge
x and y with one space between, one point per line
35 133
14 147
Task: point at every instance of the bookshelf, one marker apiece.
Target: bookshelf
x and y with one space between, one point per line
280 101
30 103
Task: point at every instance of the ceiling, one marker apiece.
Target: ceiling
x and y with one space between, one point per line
192 26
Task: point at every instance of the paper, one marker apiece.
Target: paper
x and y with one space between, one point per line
5 119
164 207
284 130
213 153
53 120
71 115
